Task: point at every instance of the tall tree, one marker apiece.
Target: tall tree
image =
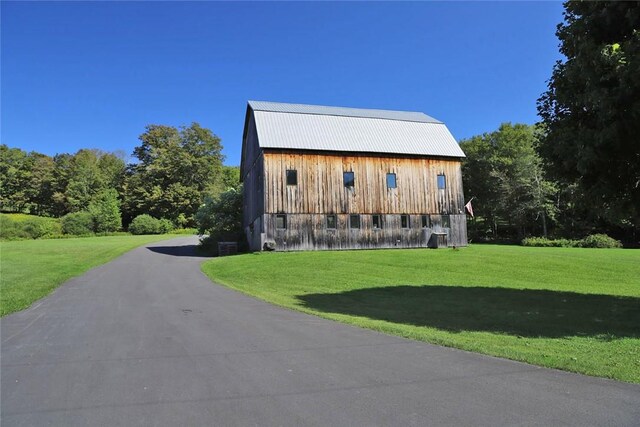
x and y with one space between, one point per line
40 186
177 168
591 110
85 180
230 177
504 173
105 210
15 174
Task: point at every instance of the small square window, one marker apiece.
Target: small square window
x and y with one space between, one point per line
446 222
442 182
426 221
349 179
281 221
354 221
376 221
391 180
292 177
331 222
404 221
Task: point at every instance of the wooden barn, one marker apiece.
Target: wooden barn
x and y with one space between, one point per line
320 177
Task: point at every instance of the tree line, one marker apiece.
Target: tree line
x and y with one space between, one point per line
577 172
174 170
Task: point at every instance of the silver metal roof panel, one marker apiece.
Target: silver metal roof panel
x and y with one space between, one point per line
279 107
340 132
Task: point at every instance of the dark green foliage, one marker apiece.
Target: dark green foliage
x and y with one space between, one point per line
504 173
146 224
25 179
105 210
177 168
221 220
591 113
230 177
77 223
39 184
166 226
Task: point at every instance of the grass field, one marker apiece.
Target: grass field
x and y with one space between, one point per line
31 269
567 308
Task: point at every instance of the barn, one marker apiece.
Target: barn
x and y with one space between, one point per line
318 178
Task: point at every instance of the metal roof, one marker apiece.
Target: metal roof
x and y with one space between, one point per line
278 107
308 127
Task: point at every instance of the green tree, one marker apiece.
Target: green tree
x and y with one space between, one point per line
221 218
39 188
230 177
505 175
105 210
591 110
177 169
85 180
15 174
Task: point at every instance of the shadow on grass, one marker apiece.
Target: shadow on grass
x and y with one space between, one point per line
185 250
526 312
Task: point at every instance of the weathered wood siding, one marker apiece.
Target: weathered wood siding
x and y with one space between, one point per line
252 174
320 191
309 232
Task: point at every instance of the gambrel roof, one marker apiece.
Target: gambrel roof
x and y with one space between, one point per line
312 127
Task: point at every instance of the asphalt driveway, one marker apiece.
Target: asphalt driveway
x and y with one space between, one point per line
148 340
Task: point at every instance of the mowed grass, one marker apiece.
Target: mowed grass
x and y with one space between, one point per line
31 269
568 308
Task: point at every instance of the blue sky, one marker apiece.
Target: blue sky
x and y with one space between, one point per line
92 75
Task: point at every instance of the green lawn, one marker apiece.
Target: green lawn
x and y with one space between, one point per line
567 308
31 269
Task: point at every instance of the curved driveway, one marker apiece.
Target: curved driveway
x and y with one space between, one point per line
148 340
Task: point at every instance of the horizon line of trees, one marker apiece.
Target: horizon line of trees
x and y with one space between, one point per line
515 194
176 170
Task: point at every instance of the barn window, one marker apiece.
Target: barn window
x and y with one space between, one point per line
442 182
354 221
404 221
349 179
376 221
281 221
331 221
426 221
391 180
292 177
446 222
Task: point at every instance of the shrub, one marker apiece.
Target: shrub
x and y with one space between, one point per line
166 226
599 241
10 229
550 243
146 224
14 227
77 223
184 231
591 241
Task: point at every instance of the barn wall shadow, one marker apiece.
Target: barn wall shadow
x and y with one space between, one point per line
184 250
526 312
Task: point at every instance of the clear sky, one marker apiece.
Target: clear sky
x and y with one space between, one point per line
92 75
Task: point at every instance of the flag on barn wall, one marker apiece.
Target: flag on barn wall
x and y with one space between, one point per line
469 208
